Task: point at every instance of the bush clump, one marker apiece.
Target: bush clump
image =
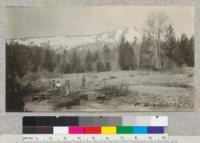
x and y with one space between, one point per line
115 90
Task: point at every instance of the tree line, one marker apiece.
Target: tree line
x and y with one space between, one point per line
174 52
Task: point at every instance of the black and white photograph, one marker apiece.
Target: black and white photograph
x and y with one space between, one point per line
100 58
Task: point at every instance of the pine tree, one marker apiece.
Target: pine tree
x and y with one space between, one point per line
190 55
170 42
35 58
107 58
168 48
126 56
121 53
48 62
88 61
183 48
75 62
100 66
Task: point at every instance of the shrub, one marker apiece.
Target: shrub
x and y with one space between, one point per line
32 77
113 77
115 90
15 93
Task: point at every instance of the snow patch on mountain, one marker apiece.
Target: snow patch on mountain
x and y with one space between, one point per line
129 33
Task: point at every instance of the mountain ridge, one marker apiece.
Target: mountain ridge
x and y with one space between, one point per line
56 42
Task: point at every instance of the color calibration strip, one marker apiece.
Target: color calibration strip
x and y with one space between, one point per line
95 121
94 125
94 130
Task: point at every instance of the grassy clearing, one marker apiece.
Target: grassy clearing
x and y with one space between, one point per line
122 91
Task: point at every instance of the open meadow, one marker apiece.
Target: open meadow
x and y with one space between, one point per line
116 91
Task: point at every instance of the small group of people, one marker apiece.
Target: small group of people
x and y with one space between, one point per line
58 86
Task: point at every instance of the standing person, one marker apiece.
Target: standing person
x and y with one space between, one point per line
53 84
83 80
67 87
58 87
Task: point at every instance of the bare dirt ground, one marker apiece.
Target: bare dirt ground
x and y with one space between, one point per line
145 91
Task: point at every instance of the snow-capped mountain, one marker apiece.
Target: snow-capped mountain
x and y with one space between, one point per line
129 33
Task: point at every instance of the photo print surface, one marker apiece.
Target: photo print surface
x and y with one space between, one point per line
99 58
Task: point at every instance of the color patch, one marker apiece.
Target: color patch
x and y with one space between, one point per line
87 121
60 130
143 121
92 130
124 130
38 130
159 121
44 130
29 130
50 121
108 130
107 121
156 130
140 130
128 121
76 130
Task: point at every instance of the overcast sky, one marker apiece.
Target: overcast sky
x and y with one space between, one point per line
58 21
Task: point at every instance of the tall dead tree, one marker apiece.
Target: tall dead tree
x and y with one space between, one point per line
156 28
